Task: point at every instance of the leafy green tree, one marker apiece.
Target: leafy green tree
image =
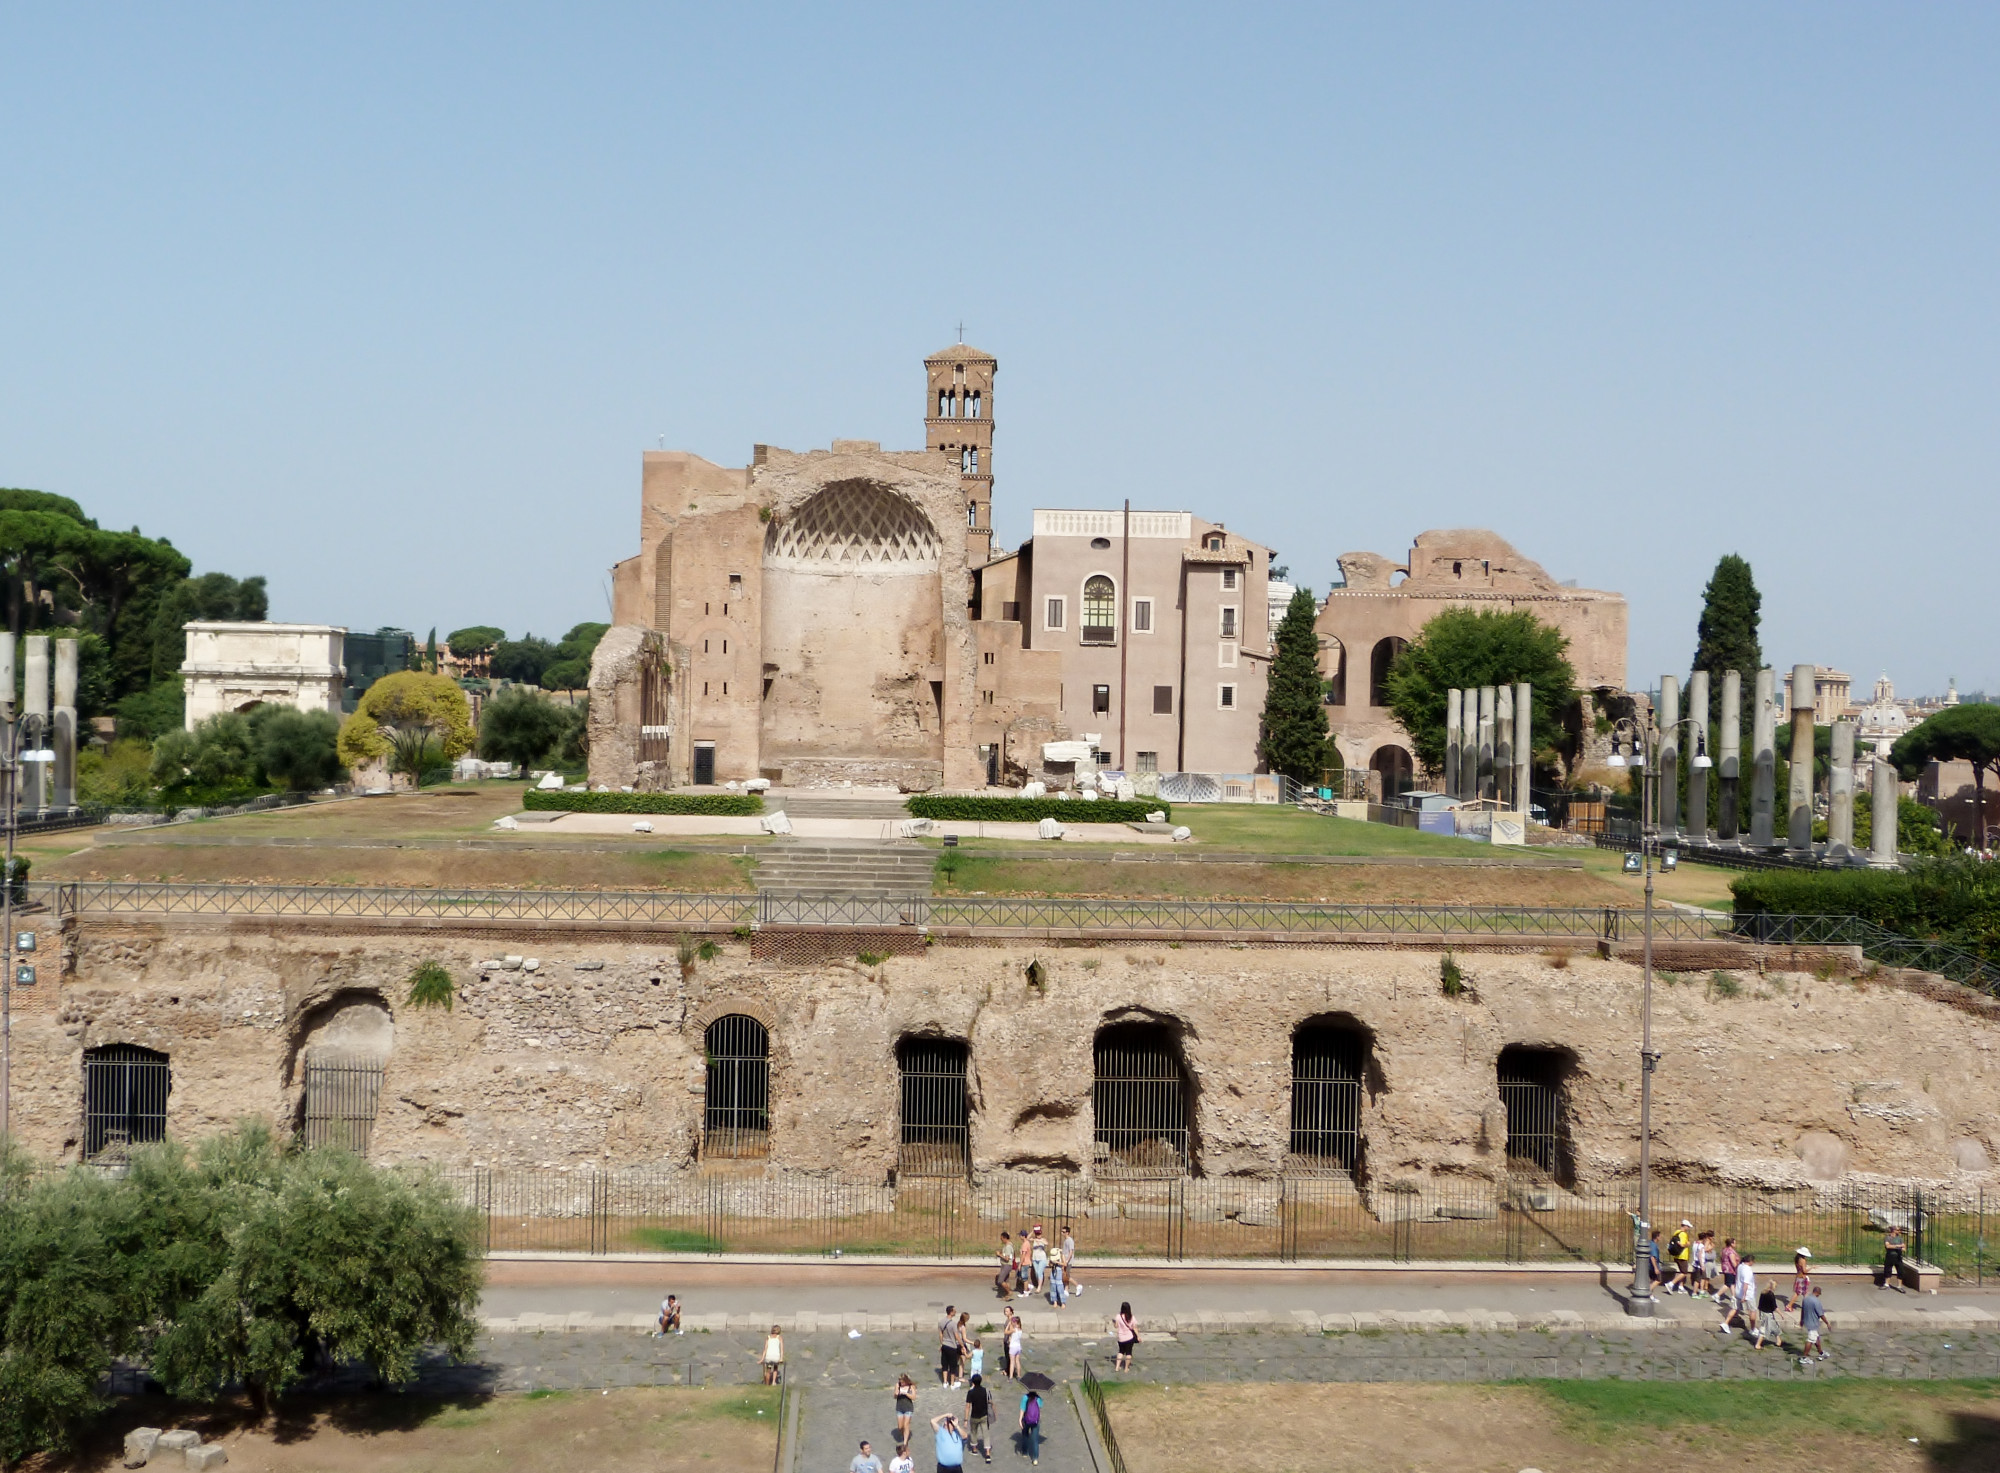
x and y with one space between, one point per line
474 643
215 761
296 749
1468 649
574 748
153 712
570 670
1294 740
1726 637
119 776
415 719
520 726
1963 733
521 660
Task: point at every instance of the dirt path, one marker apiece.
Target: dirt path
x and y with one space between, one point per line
1838 1427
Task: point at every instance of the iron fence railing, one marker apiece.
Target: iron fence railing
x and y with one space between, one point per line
1025 913
1100 1415
1520 1218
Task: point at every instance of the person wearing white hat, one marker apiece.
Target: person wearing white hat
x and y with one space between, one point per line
1802 1284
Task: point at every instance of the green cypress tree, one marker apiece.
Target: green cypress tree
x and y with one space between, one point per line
1726 638
1294 741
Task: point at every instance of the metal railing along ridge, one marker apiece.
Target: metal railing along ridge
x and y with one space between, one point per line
1018 914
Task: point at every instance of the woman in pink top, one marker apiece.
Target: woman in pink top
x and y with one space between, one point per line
1125 1330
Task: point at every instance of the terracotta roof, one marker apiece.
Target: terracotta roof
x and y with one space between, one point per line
960 352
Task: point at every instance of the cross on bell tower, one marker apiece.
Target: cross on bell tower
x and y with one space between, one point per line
958 419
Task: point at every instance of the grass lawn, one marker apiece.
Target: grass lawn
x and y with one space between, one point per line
671 1430
1353 884
1831 1426
1706 885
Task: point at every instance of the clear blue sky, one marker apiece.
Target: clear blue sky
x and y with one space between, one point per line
385 301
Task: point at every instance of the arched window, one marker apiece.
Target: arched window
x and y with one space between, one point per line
1395 768
943 400
972 514
1379 660
975 403
1140 1102
936 1114
736 1114
1100 610
124 1098
975 460
1328 1061
965 460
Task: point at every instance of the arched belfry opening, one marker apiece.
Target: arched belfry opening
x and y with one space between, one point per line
853 613
1142 1103
936 1108
1331 1059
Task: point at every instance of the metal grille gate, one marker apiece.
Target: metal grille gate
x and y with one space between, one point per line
935 1112
125 1091
736 1113
1139 1097
343 1094
1531 1089
1326 1099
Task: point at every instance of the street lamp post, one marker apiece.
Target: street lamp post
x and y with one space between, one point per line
1644 746
12 763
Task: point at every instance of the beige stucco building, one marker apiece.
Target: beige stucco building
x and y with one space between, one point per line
1383 606
840 616
234 667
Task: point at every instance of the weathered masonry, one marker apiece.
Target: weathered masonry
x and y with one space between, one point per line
1100 1063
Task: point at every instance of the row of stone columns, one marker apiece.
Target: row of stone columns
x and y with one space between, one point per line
46 787
1764 766
1489 743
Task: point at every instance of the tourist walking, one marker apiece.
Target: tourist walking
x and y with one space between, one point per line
1802 1283
1767 1319
1892 1258
906 1403
1031 1426
1022 1272
1070 1284
1125 1330
1039 1255
963 1333
979 1417
1056 1295
950 1442
1005 1261
1013 1344
1812 1319
903 1462
1731 1260
948 1347
774 1356
865 1461
975 1360
1743 1298
1680 1258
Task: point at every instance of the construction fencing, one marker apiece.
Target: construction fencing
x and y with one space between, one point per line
1516 1219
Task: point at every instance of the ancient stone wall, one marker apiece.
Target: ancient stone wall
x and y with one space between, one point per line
595 1055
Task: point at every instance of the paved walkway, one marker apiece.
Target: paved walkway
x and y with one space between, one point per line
833 1421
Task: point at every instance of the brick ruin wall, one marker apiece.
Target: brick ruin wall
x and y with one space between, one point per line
595 1057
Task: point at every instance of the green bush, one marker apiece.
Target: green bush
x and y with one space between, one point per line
1033 810
1955 900
576 800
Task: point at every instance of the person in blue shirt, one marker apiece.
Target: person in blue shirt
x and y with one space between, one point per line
1031 1426
950 1442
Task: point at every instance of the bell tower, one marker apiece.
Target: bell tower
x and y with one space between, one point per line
958 419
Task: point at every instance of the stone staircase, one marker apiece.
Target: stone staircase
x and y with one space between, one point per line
821 805
834 867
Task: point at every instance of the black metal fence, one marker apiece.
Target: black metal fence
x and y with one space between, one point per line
1027 915
1100 1415
1518 1218
342 1097
736 1110
936 1110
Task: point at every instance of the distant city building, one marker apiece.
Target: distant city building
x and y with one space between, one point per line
372 656
1885 720
238 667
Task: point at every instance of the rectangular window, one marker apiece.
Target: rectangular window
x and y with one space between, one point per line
987 658
736 585
989 697
1010 611
1100 700
1052 614
1163 700
1226 697
1226 654
1146 762
1229 621
1142 616
1229 580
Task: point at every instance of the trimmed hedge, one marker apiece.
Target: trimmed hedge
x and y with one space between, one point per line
1033 810
1953 900
714 805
